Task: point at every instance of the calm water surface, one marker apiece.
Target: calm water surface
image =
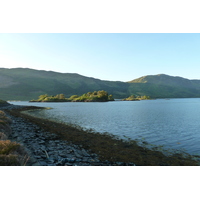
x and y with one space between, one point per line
174 123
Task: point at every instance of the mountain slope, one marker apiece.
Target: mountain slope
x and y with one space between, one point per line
165 86
162 79
28 84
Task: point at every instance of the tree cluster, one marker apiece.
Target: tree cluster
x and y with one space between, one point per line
96 96
100 96
136 98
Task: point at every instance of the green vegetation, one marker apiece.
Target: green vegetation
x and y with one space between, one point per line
100 96
46 98
96 96
136 98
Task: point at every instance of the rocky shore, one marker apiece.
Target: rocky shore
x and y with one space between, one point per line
49 143
46 149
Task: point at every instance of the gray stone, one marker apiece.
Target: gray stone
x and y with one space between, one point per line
71 160
38 157
60 152
78 160
120 163
51 161
42 163
68 164
41 142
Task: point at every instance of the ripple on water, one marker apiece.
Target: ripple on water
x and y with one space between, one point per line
173 123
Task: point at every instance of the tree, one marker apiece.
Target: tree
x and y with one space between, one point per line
61 96
42 97
74 96
103 95
110 97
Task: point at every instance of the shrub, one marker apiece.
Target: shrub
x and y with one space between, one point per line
3 136
12 154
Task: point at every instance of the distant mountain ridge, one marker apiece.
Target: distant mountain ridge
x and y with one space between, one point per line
165 86
27 84
163 79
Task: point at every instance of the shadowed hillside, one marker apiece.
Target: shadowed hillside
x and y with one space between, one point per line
27 84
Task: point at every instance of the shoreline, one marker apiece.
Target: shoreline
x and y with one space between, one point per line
47 149
12 153
105 149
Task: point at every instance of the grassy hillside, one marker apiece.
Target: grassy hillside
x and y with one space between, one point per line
27 84
162 79
164 86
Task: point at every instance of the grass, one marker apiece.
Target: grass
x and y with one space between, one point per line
3 118
108 147
9 160
4 126
11 153
7 147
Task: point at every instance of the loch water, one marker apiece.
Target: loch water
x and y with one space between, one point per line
174 123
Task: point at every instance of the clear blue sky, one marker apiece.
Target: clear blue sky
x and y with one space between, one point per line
107 56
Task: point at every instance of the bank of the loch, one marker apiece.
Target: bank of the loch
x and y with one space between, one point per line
11 152
52 143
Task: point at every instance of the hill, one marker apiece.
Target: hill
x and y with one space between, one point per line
165 86
27 84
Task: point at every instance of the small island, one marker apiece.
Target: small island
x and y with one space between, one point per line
96 96
136 98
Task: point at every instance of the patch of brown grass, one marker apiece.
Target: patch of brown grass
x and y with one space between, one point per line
3 118
2 113
5 129
7 147
9 160
12 154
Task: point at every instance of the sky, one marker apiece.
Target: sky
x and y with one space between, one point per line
106 56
